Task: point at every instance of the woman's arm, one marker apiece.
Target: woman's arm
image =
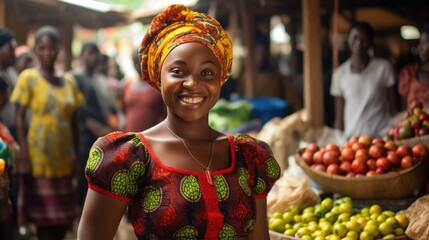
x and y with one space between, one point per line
339 113
23 161
100 216
260 231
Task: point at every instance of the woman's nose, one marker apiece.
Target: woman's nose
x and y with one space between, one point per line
191 82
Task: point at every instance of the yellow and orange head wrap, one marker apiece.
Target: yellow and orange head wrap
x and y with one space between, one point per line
177 25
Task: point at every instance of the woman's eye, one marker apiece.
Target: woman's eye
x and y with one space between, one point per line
177 71
207 73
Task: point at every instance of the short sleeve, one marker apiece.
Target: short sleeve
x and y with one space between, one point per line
335 89
262 166
116 164
389 74
22 93
77 94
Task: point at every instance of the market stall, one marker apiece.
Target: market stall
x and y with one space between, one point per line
362 188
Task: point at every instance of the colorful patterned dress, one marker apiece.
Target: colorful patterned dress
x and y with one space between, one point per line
169 203
48 196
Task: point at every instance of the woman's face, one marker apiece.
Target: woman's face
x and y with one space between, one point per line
46 51
359 42
190 81
423 47
7 54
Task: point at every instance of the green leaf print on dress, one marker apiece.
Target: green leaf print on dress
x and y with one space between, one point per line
95 155
227 232
124 182
190 188
259 187
185 233
243 177
221 186
136 141
150 236
273 169
151 199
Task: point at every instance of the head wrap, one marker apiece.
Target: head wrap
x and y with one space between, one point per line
23 49
177 25
5 36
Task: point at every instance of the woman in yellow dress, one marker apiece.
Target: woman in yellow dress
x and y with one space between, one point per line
49 154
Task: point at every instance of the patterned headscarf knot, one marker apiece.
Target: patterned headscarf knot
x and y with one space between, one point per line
177 25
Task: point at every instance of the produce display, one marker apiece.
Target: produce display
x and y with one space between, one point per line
337 219
226 115
415 124
363 156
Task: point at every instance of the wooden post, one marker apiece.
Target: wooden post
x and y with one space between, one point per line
2 13
313 81
248 32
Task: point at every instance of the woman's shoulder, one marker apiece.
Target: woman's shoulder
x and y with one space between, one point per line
118 140
381 62
342 68
116 163
243 140
29 72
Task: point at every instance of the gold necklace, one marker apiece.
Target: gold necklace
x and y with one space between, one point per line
206 169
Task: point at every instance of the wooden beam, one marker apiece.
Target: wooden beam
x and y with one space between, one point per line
313 82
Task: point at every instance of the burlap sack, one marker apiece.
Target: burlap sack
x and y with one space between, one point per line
290 190
283 136
418 214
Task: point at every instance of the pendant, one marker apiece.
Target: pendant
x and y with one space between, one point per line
209 177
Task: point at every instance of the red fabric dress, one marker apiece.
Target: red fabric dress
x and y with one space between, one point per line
410 88
168 203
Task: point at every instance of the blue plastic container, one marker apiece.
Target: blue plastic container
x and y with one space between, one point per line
266 108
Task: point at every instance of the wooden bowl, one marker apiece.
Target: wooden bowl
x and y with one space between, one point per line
393 185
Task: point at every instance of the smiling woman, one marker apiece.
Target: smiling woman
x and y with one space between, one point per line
181 178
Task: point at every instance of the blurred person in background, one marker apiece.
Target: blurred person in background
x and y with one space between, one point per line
93 116
7 61
48 161
7 115
114 79
363 87
8 147
414 78
24 58
142 105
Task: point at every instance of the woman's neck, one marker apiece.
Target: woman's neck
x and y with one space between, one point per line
359 63
195 131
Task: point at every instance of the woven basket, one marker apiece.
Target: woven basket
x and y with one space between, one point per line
414 141
393 185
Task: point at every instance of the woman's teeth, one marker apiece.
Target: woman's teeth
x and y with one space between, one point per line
192 100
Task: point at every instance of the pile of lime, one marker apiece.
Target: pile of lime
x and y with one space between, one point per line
338 220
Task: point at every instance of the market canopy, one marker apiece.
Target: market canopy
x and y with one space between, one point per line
41 12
